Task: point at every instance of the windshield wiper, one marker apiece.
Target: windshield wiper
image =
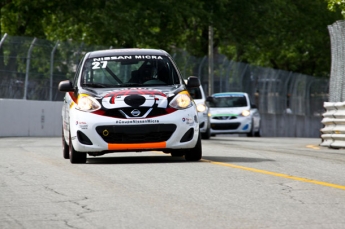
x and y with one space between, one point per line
130 84
98 85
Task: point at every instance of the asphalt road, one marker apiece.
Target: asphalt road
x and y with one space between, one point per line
240 183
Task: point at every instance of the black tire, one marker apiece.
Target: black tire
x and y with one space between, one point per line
65 148
258 133
207 134
195 153
177 153
75 157
251 133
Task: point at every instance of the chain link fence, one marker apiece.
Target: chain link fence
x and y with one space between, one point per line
31 69
337 35
273 91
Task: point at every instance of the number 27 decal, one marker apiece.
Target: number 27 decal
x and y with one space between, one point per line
98 65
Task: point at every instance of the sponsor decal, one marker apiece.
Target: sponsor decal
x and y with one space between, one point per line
188 120
82 125
128 57
102 62
136 121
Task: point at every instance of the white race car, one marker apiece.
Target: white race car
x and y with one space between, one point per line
129 100
199 97
233 113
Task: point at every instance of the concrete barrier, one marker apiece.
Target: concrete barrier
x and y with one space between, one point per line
26 118
291 125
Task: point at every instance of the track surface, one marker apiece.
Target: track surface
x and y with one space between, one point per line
240 183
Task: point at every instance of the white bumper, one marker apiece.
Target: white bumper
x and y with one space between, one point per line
87 122
228 126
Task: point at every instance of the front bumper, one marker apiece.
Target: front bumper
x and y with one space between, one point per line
95 133
203 121
237 125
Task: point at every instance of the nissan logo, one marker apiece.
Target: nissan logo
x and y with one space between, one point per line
135 112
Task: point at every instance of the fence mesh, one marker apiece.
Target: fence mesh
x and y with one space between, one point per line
274 91
336 85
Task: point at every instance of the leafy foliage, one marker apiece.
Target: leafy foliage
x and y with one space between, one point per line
287 35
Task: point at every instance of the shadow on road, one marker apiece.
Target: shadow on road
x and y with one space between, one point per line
167 159
135 159
235 159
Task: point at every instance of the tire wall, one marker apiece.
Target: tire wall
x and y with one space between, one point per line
25 118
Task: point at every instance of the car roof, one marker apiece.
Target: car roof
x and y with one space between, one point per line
229 94
126 51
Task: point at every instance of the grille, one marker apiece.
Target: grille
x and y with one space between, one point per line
116 113
136 133
225 126
224 117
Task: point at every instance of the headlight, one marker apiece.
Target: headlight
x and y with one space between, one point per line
201 107
181 101
87 103
245 113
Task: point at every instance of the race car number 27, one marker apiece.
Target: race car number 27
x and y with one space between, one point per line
100 64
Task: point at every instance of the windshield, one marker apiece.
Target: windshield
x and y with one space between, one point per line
126 71
229 101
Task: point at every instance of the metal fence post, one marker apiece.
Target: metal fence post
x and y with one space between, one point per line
28 68
3 39
52 71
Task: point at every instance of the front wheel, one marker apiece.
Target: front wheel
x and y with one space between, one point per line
207 134
65 147
75 157
195 153
258 133
251 133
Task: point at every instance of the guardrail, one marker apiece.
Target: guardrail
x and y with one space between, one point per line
333 132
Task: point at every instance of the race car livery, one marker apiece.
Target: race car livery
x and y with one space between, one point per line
233 113
129 100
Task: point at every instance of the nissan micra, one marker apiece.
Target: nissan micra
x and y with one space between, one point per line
123 100
233 113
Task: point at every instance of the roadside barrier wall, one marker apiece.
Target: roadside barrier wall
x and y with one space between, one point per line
291 125
31 118
333 133
26 118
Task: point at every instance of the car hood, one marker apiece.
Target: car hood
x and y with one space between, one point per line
230 111
134 97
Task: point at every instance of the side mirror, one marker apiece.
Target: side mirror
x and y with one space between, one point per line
65 86
193 81
253 106
209 99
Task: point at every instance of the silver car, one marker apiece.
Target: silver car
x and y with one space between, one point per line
233 113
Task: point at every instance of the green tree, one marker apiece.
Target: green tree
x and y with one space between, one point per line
288 35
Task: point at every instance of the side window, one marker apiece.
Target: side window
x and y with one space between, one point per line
75 80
